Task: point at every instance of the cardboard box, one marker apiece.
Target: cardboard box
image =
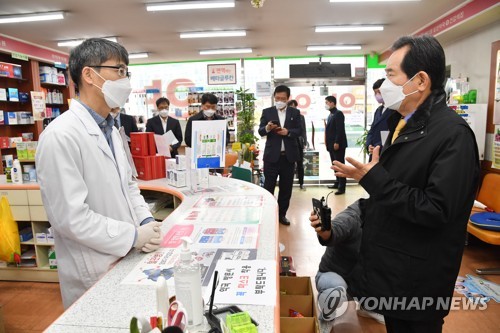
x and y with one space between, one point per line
296 293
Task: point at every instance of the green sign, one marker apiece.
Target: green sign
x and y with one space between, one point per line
20 56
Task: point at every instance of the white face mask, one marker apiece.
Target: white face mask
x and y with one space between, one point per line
209 113
116 92
280 105
163 113
327 107
393 95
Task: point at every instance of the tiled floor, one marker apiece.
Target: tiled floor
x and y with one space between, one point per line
30 307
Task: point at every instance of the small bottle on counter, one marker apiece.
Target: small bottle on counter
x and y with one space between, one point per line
187 278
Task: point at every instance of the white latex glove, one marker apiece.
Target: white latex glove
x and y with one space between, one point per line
152 245
145 234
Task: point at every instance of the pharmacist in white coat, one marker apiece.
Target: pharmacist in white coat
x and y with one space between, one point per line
92 201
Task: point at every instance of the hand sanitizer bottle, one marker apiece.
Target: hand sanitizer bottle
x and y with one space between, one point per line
187 278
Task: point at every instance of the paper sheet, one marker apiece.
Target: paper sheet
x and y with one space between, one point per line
162 145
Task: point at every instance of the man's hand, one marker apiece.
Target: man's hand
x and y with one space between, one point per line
171 149
370 149
316 224
336 146
283 132
271 126
358 170
148 237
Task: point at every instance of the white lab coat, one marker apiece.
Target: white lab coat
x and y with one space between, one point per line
91 199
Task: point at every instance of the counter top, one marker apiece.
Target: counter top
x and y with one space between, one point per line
108 306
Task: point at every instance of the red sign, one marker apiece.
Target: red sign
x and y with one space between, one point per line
33 51
451 20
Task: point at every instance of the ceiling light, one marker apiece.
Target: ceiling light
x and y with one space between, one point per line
75 42
48 16
226 51
333 47
372 0
180 5
346 28
209 34
138 55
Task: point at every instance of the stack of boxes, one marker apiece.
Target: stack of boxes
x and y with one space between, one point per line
148 165
176 171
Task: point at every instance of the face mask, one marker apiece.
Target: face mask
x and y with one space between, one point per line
393 95
327 107
280 105
209 113
379 98
163 113
116 92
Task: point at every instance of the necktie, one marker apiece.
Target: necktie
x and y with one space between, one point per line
398 129
116 123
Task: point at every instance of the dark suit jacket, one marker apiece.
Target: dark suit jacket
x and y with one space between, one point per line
273 142
128 124
335 130
155 125
379 124
200 116
302 140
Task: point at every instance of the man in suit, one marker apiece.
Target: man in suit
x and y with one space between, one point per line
379 124
208 109
302 142
124 120
162 123
281 125
335 139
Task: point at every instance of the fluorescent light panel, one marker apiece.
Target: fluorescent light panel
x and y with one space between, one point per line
33 17
333 47
76 42
210 34
347 28
226 51
373 0
181 5
138 55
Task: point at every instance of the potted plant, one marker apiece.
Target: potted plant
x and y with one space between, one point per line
245 107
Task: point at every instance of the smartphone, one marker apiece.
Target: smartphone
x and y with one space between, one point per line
275 122
323 212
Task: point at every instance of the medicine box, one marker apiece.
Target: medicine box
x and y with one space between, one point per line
180 162
14 141
41 237
3 94
143 165
142 144
159 167
4 142
22 151
31 149
13 94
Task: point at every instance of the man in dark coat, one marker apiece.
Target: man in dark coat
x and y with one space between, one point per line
379 124
124 120
302 143
162 123
281 125
421 189
208 112
335 139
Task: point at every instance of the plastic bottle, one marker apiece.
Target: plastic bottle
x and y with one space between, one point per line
187 278
162 302
16 173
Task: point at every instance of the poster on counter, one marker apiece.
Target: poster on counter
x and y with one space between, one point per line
162 261
241 201
38 105
208 140
245 282
240 236
232 215
496 148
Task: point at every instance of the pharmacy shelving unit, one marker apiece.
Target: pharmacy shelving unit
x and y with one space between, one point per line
28 211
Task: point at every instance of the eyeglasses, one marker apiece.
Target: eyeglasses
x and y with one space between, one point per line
122 70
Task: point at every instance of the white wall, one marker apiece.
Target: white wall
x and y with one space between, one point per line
470 57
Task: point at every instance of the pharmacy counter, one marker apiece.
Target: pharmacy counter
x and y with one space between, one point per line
109 305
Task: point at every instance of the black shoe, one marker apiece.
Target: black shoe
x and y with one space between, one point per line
284 220
339 192
333 186
302 187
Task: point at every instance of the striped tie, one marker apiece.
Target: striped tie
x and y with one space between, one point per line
399 127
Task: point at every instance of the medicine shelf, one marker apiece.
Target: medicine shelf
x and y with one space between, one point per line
22 102
13 78
27 161
48 84
30 242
